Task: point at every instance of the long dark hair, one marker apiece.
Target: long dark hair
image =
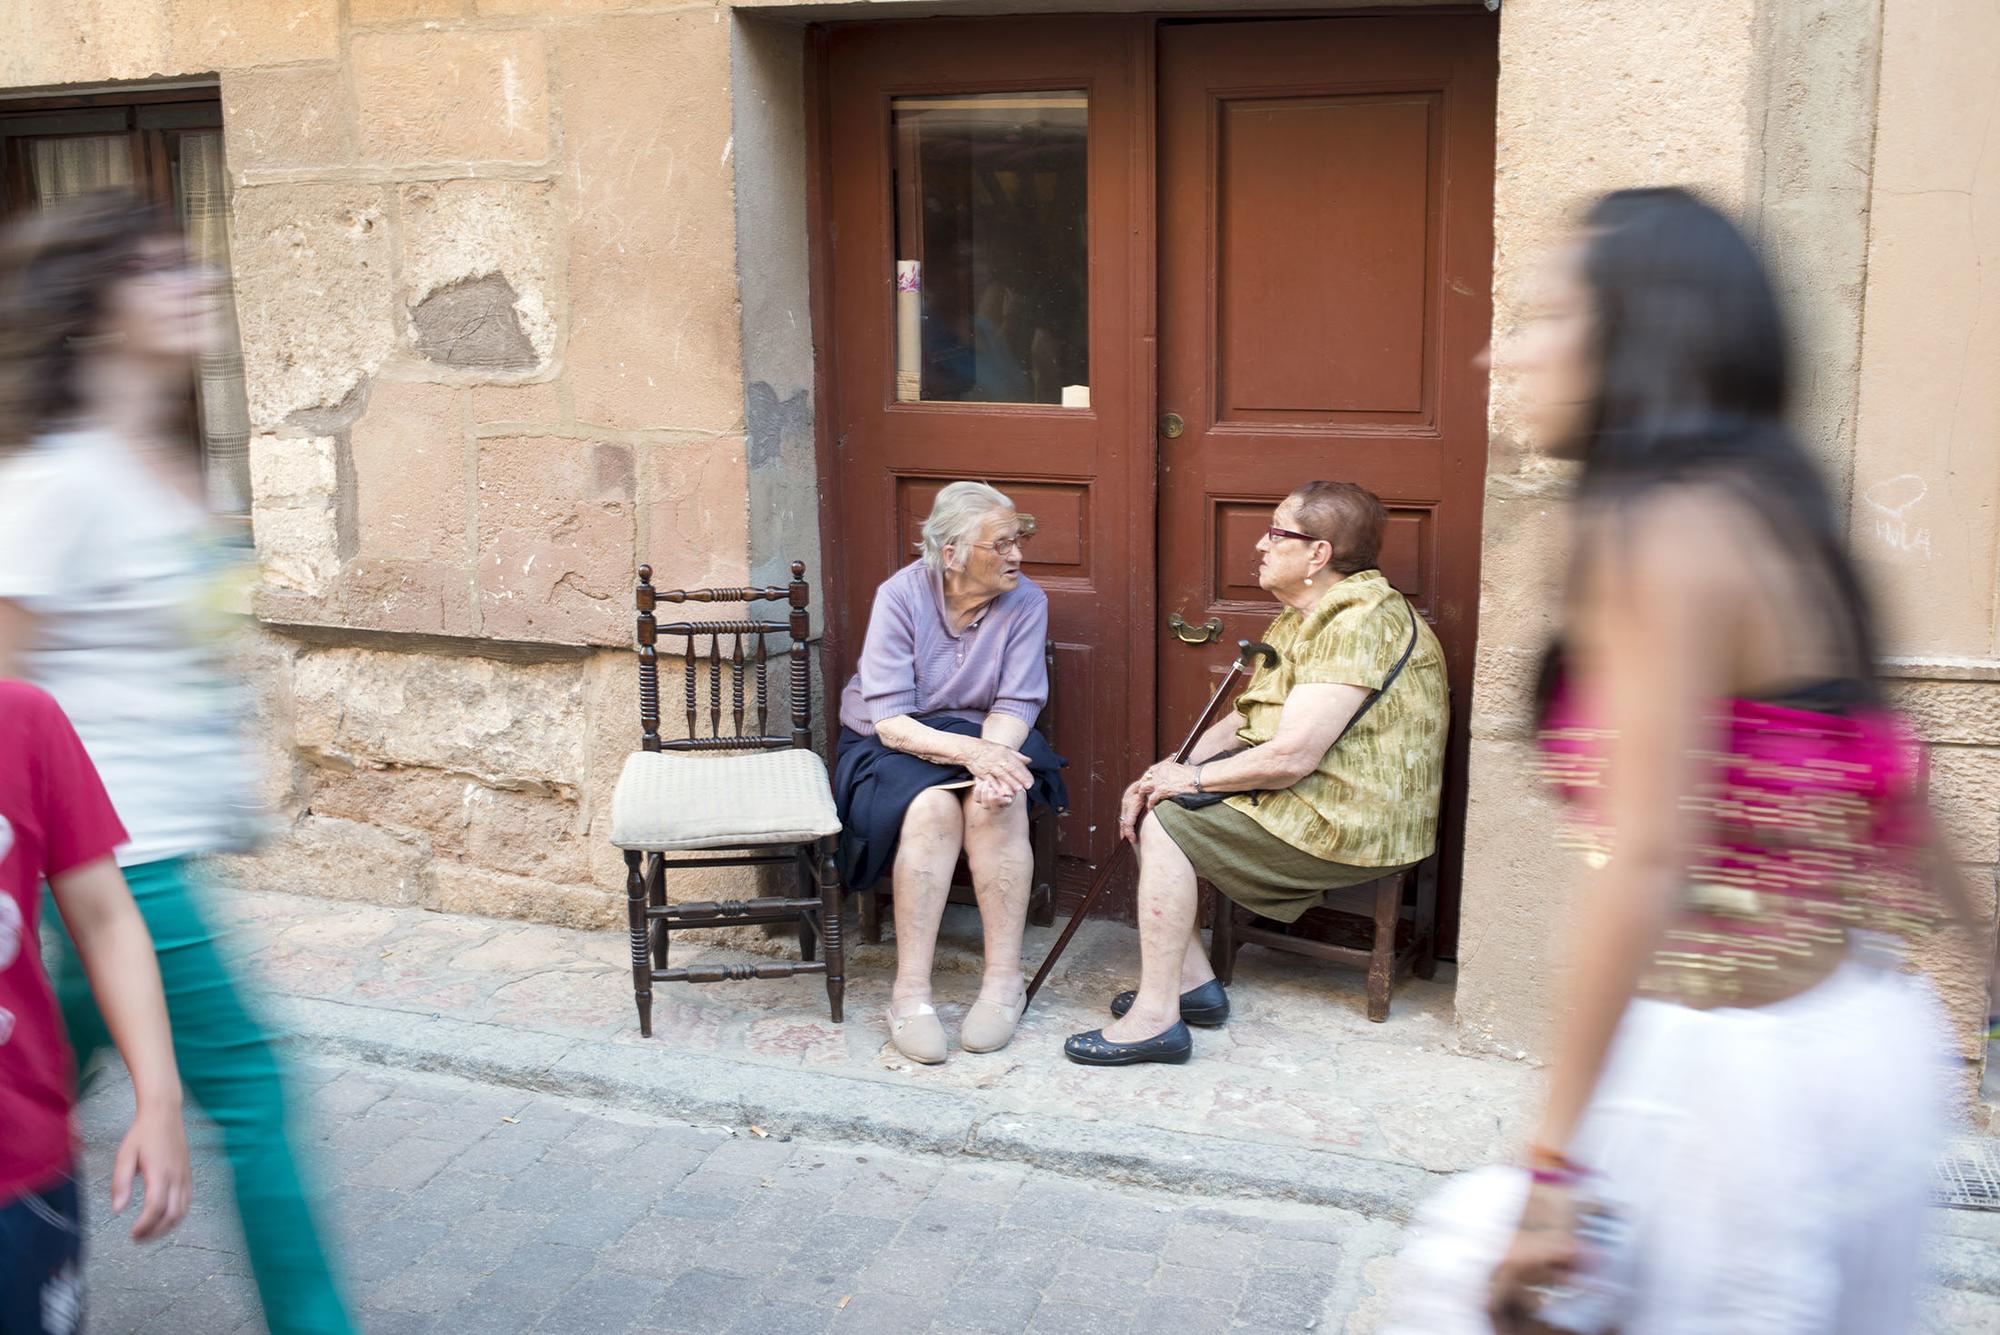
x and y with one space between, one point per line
1693 386
58 267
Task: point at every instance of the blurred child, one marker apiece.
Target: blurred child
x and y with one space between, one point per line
56 824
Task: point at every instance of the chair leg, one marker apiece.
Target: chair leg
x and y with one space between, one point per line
871 917
635 915
1426 965
656 895
1222 944
1382 958
808 937
1042 899
829 926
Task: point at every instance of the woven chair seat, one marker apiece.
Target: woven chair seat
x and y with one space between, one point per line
666 802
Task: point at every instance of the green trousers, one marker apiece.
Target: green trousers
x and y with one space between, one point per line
231 1071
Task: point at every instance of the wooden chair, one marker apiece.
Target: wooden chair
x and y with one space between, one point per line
752 799
1041 837
1382 901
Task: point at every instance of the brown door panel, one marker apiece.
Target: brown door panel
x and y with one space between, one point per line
1325 273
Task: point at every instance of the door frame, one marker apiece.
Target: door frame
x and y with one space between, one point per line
1142 610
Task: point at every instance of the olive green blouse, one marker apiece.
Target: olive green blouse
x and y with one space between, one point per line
1373 801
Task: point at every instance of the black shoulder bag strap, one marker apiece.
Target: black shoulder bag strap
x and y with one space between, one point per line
1389 680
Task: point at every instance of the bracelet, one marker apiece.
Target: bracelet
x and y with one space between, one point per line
1553 1168
1197 779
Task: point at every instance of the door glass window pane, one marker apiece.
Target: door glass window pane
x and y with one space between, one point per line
992 257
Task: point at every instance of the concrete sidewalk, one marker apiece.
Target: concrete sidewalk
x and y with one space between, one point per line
1299 1098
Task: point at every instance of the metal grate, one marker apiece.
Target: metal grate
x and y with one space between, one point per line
1968 1175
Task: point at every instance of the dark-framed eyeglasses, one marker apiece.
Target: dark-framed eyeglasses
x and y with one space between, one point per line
1018 544
1275 533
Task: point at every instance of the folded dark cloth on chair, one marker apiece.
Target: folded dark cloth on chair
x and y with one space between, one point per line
873 786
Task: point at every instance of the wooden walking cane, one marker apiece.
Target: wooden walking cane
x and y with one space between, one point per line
1247 653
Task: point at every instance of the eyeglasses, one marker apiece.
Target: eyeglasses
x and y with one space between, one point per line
1016 545
1276 534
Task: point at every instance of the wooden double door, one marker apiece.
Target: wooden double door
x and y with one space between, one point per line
1147 276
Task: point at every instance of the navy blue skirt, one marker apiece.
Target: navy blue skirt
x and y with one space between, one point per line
874 787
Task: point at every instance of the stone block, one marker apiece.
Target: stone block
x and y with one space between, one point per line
409 453
236 34
402 11
297 548
696 529
312 275
292 484
479 266
401 594
463 889
499 7
84 41
339 859
532 405
290 116
654 340
1965 791
509 725
526 834
555 539
455 96
1966 712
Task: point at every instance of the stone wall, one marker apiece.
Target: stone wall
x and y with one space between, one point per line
485 268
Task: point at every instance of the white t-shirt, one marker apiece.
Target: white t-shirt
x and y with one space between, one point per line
125 578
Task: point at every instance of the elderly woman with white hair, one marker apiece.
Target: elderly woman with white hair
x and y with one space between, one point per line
938 756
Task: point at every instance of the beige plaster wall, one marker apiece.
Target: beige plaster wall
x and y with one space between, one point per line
1927 454
1877 235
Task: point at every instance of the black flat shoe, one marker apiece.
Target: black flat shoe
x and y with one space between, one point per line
1207 1005
1094 1049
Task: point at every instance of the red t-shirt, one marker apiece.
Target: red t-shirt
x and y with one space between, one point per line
54 816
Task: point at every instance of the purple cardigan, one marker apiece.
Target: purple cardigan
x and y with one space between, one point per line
911 663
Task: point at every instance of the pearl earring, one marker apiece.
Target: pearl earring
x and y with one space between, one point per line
1309 579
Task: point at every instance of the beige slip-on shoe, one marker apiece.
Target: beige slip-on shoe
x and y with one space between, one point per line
989 1026
918 1036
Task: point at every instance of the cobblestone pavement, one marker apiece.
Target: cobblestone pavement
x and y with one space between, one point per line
469 1208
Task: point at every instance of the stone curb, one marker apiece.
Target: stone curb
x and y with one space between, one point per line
703 1088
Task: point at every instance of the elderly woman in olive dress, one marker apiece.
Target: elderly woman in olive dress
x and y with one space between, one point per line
939 756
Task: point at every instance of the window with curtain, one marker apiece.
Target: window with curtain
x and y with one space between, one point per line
170 152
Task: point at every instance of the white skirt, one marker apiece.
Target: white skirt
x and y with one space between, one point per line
1773 1165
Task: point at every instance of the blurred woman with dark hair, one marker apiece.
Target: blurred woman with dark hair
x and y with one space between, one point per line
111 573
1745 1090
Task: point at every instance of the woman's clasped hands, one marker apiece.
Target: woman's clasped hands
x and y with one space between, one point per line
999 774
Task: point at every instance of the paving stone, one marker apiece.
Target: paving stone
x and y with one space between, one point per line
550 1186
989 1183
1054 1205
1072 1289
505 1303
956 1223
1054 1318
406 1166
503 1153
424 1287
705 1300
989 1309
1182 1316
1186 1281
1104 1263
1207 1248
882 1313
777 1318
605 1303
685 1203
597 1219
1294 1254
910 1271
